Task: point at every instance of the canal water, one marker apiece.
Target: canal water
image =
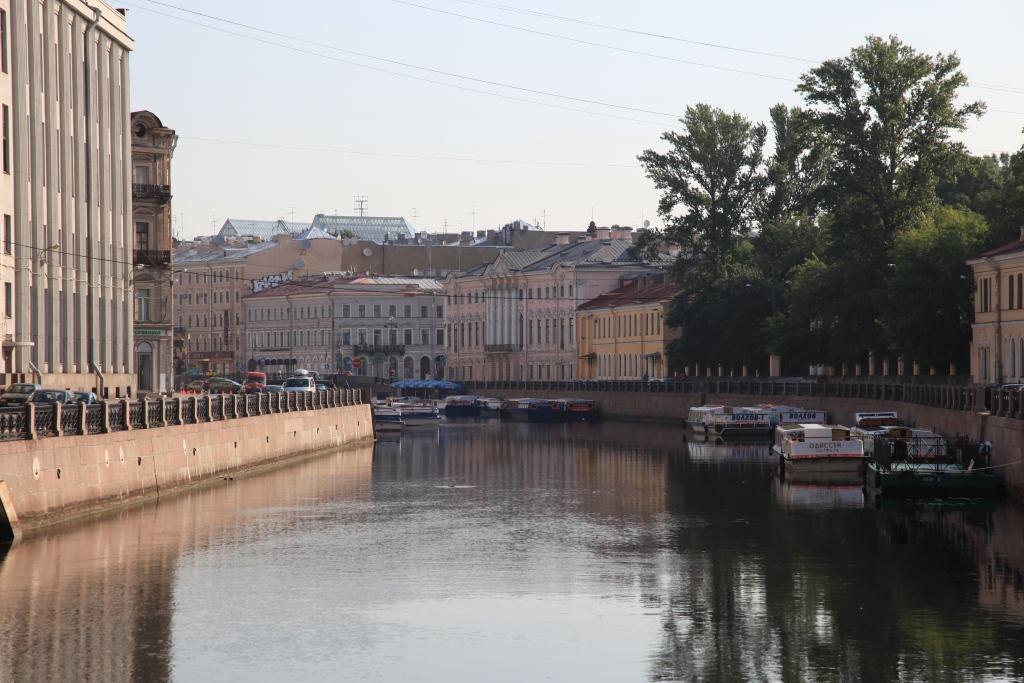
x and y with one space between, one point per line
507 552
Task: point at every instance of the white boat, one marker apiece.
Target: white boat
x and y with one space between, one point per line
697 417
490 406
387 419
792 415
815 452
738 422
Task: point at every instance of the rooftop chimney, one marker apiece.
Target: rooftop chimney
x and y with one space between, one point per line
467 237
562 239
604 233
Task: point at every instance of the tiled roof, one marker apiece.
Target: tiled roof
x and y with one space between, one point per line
629 294
330 283
202 253
372 228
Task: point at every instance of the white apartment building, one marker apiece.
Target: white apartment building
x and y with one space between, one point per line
65 194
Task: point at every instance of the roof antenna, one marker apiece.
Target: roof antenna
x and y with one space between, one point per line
359 205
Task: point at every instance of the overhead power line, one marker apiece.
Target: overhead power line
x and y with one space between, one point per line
408 65
650 34
596 44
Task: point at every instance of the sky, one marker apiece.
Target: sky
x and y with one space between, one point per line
288 127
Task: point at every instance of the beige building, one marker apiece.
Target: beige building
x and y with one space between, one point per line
152 148
515 318
383 327
997 334
212 278
622 334
65 194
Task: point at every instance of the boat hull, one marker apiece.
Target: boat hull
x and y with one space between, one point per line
829 468
738 431
929 480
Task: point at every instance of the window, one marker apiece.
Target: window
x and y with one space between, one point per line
345 311
3 40
376 310
142 304
362 310
142 235
8 300
142 175
392 311
407 311
6 138
439 313
408 336
346 337
423 311
440 336
8 234
425 337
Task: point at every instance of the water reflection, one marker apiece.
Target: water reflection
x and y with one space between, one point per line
488 551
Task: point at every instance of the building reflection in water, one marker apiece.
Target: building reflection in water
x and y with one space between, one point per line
94 601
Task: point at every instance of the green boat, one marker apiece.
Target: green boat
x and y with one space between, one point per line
928 479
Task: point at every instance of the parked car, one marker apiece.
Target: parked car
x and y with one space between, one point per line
86 397
299 384
223 385
254 381
17 394
196 385
51 397
271 389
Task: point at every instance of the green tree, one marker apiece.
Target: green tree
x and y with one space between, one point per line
927 311
712 182
798 168
886 113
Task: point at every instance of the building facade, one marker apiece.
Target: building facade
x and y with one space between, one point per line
66 195
212 277
997 333
515 318
152 149
622 334
383 327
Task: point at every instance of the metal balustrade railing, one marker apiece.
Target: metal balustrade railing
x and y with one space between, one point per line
35 421
950 396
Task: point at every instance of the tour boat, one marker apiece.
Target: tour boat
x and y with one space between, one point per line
529 410
732 422
462 406
698 416
819 452
878 418
576 410
387 419
792 415
490 407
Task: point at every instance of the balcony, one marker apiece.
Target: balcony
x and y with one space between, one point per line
501 348
152 257
379 349
158 193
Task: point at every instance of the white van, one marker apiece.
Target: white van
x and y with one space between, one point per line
299 384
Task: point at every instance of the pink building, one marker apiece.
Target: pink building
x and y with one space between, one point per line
515 318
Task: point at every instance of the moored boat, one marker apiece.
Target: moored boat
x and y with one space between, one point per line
418 415
815 452
738 422
387 419
696 419
929 479
529 410
576 410
792 415
462 406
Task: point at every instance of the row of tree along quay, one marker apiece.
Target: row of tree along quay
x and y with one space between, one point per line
844 239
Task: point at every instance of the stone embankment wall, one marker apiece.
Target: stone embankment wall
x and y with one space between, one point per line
47 480
1006 433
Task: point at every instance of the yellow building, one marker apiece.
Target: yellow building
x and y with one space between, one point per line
997 335
622 334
